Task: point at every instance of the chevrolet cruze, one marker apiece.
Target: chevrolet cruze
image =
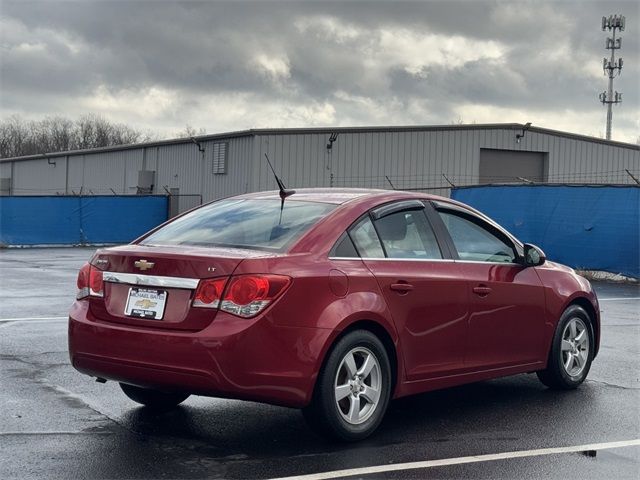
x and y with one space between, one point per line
334 301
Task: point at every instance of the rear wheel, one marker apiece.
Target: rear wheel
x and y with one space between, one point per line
353 388
571 351
153 398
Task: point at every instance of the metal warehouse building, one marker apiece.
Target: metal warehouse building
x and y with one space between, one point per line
426 158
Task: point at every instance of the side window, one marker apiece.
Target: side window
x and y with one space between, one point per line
475 242
344 248
366 239
408 234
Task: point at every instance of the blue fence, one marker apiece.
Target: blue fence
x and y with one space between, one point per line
588 227
72 220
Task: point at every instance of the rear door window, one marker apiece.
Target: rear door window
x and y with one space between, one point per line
408 234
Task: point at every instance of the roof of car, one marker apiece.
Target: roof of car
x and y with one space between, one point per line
332 195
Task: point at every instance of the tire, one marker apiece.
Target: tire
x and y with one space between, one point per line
358 370
571 351
154 399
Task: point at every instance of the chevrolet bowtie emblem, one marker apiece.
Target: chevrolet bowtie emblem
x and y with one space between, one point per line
145 303
143 265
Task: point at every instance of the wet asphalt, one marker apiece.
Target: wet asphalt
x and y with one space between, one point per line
57 423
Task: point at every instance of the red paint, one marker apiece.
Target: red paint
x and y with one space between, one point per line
449 322
506 322
338 282
431 319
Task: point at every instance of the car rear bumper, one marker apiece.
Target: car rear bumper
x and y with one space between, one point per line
232 357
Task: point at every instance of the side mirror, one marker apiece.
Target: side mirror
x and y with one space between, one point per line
533 256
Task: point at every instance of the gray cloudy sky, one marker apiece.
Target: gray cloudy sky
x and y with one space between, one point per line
159 65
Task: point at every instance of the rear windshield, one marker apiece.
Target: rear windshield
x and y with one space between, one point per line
242 223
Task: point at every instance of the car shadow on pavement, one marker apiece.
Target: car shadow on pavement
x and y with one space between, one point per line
496 410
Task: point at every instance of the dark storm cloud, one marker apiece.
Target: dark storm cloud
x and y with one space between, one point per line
316 62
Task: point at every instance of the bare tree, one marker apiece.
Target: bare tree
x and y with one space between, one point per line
60 131
14 134
190 131
19 137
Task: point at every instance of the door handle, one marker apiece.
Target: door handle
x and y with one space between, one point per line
481 290
402 287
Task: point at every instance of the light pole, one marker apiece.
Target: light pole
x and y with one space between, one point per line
610 66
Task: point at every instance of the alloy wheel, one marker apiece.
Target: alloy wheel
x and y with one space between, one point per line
358 385
575 347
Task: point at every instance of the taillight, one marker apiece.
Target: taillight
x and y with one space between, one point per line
209 293
244 295
248 295
83 276
95 282
89 282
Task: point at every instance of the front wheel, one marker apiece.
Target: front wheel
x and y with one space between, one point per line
353 388
571 351
154 399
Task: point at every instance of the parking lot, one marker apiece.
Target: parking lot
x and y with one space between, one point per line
57 423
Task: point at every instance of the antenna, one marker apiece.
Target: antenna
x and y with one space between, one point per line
448 181
284 193
389 180
611 67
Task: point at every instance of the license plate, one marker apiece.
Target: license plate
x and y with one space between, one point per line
146 303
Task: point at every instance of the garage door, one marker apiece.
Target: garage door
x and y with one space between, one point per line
508 166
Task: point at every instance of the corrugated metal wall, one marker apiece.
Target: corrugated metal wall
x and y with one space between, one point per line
5 169
301 161
411 159
100 173
238 177
37 177
178 166
422 159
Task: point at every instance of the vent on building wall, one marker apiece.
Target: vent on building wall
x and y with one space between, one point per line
219 163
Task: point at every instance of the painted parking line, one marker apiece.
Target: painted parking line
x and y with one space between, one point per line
38 433
618 299
6 322
31 319
462 460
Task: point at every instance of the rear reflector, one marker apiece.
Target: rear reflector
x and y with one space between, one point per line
244 295
89 282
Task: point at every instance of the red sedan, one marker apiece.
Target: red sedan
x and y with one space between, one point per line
334 301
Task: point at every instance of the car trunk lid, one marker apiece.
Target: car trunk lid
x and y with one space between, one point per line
154 286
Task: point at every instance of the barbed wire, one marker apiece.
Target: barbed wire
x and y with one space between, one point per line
424 181
433 180
95 191
622 173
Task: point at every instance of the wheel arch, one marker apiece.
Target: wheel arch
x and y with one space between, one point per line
586 304
383 335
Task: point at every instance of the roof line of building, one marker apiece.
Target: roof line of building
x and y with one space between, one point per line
328 130
421 128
